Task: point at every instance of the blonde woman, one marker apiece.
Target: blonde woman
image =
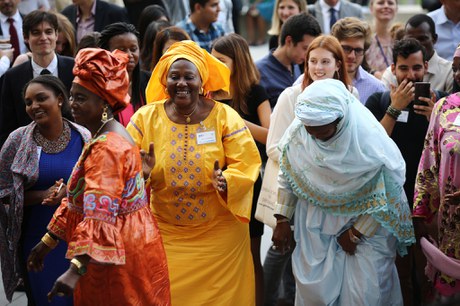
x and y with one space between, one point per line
379 55
282 11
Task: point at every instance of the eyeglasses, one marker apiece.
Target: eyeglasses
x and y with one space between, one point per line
348 49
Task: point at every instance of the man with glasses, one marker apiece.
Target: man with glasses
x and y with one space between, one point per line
354 36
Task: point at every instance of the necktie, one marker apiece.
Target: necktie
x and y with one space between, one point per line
333 16
14 40
45 71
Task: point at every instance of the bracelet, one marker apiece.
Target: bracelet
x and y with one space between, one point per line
393 112
353 238
278 221
49 241
81 268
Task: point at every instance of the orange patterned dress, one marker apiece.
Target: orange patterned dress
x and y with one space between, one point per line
106 216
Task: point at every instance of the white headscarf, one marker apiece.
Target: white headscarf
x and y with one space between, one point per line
359 170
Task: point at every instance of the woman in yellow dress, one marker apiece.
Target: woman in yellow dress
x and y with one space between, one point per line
202 182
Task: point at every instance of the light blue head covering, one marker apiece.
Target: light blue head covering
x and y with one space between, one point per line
317 107
359 170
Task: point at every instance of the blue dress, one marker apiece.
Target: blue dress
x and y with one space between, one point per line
52 167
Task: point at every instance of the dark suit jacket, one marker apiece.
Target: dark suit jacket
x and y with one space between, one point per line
106 13
12 107
347 9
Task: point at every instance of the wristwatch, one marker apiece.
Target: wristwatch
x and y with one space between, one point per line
81 268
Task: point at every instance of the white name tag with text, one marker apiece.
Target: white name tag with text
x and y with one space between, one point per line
206 137
404 116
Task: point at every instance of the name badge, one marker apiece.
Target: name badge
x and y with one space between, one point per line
457 120
403 117
206 137
39 152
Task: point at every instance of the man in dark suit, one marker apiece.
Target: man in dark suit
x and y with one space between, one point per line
327 12
11 25
40 32
88 16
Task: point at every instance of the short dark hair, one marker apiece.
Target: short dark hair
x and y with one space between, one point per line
90 40
406 47
115 29
418 19
200 2
37 17
299 25
57 87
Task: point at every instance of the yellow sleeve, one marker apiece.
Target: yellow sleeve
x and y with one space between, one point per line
242 162
135 127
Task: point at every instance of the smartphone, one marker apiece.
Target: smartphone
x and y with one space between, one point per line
422 89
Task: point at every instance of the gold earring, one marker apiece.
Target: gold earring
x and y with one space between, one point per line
166 91
201 91
104 118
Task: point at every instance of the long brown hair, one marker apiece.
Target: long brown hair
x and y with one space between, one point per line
174 33
65 27
244 74
331 44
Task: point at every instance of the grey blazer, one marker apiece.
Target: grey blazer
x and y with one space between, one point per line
347 9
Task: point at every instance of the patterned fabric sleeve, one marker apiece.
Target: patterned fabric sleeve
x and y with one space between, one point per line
366 225
426 195
7 155
58 224
286 200
97 235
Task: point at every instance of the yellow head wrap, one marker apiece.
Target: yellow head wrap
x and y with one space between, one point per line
214 74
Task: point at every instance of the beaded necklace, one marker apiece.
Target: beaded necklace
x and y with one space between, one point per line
53 146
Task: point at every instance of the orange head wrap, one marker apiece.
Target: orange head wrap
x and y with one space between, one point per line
214 74
104 73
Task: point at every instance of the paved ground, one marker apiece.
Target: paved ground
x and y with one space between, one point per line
19 298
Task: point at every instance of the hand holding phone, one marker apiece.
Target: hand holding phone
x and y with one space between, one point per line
422 89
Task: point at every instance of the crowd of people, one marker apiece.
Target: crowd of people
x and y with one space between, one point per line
139 140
